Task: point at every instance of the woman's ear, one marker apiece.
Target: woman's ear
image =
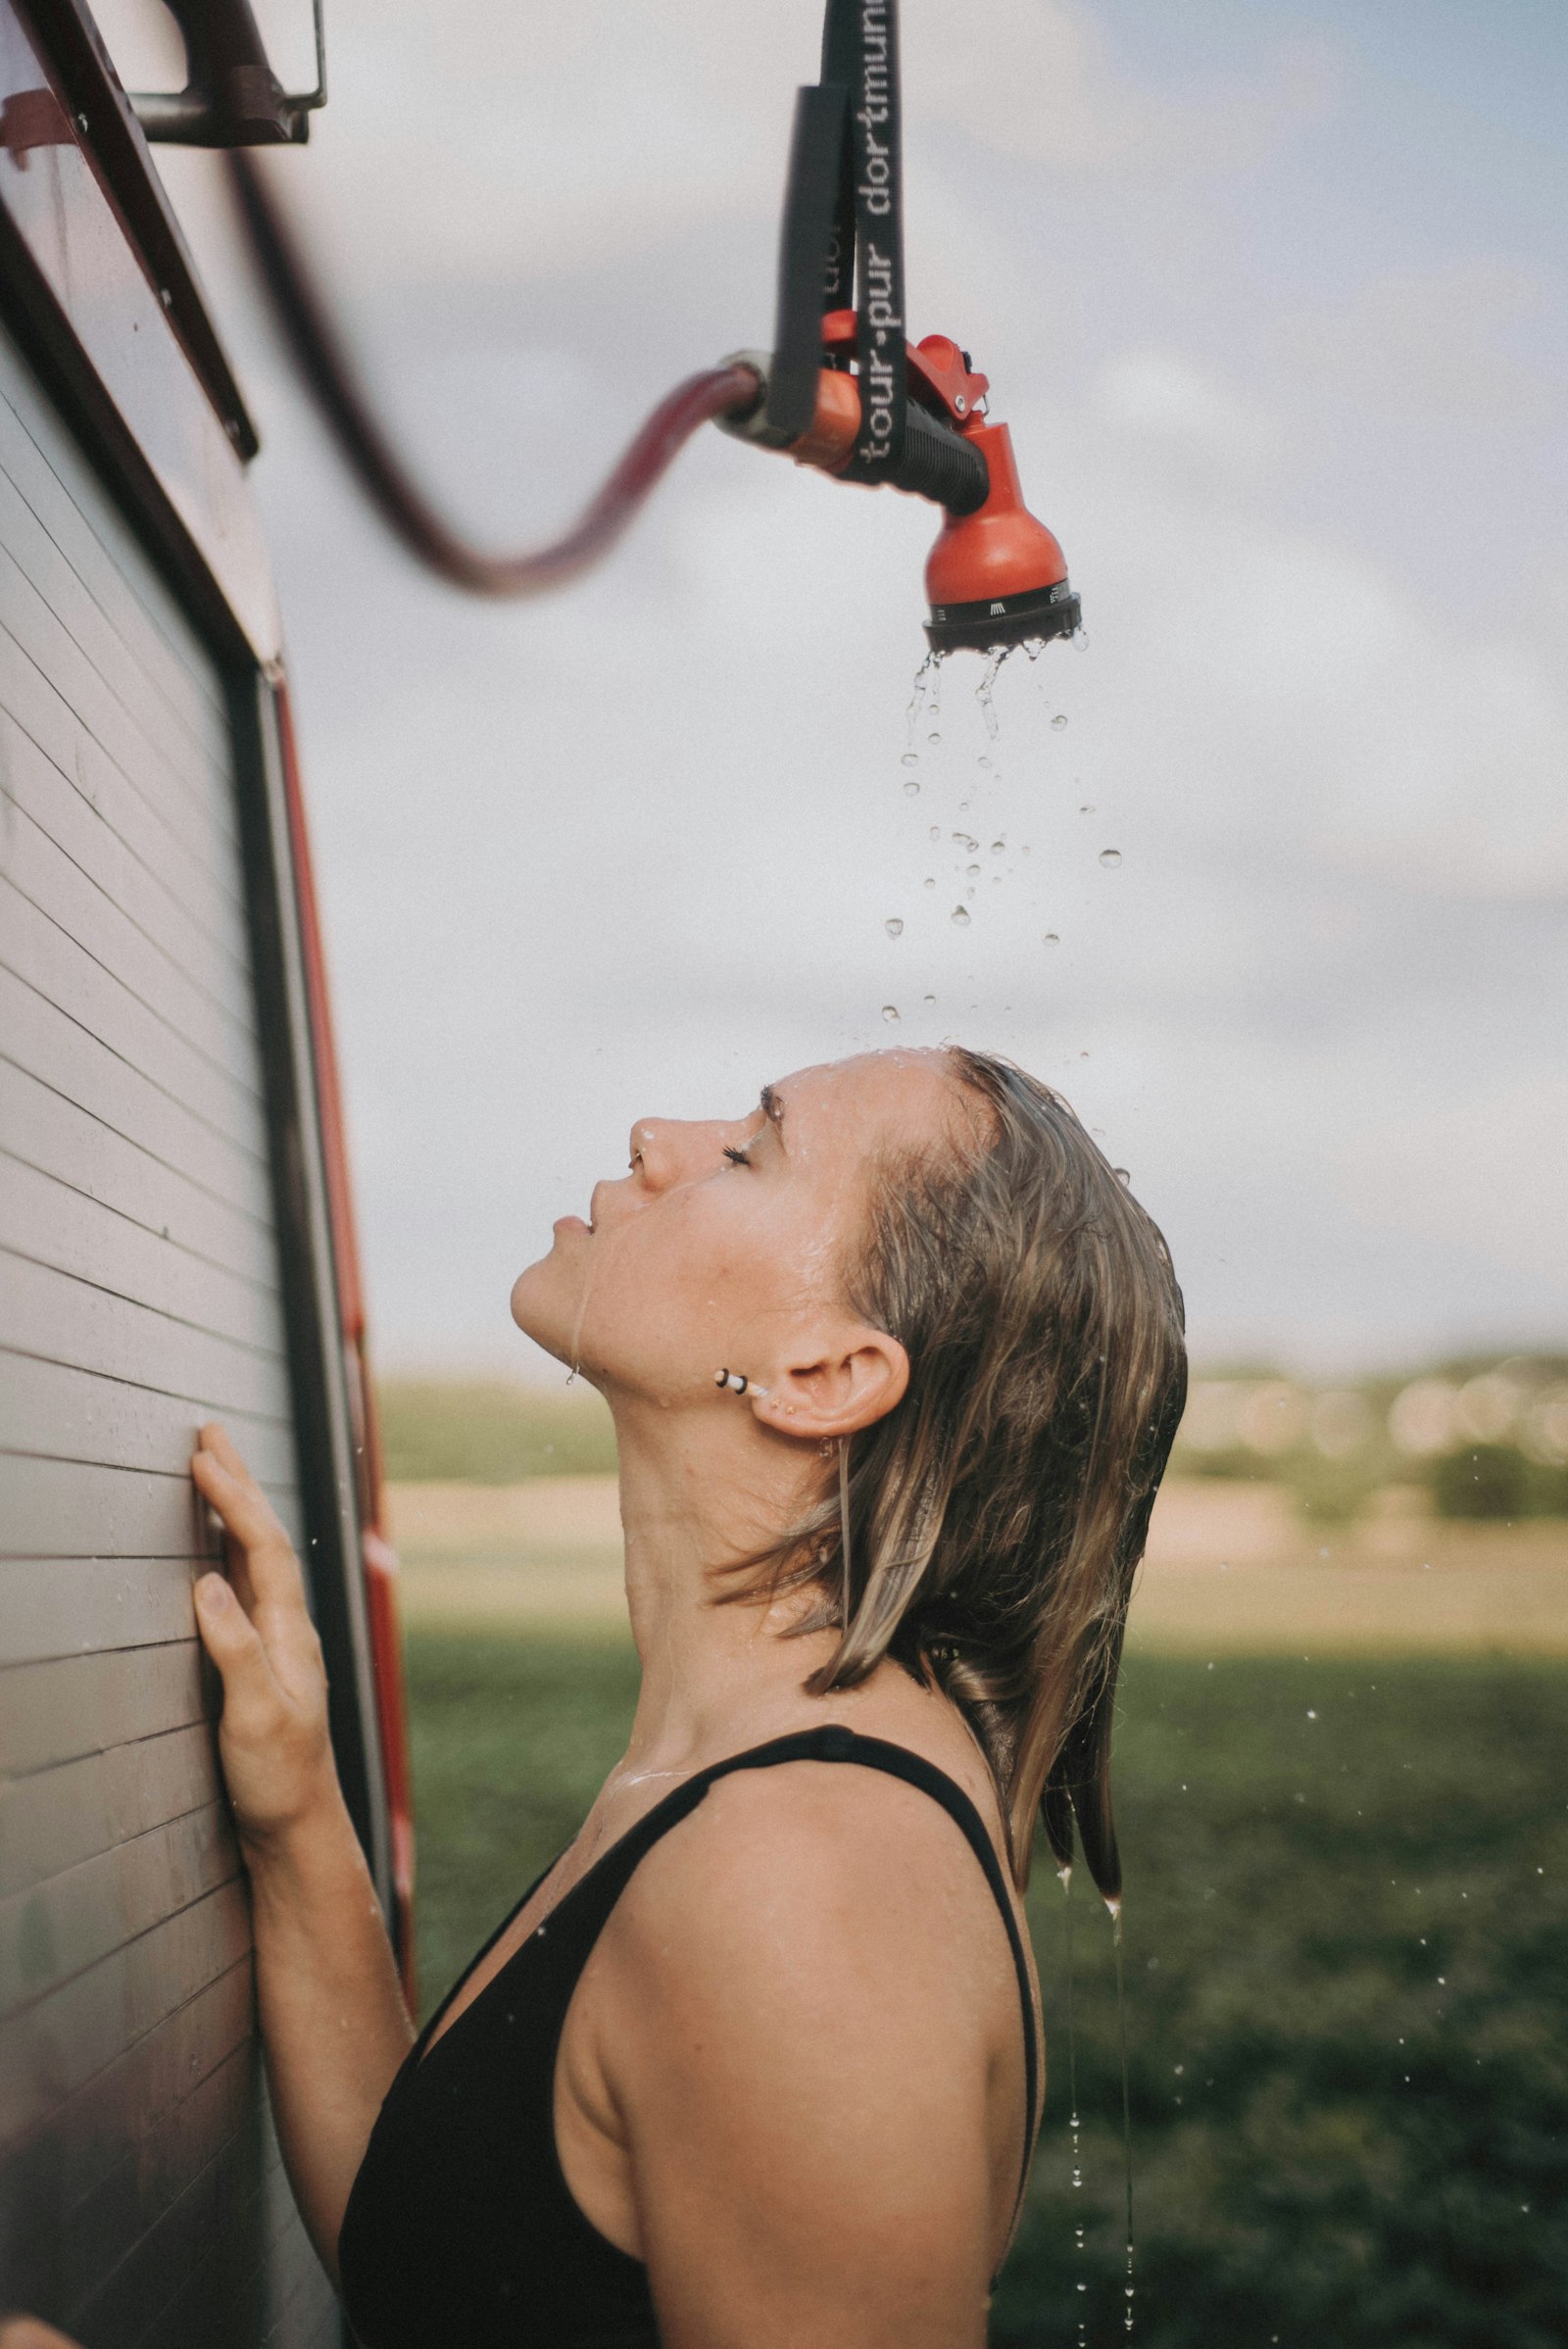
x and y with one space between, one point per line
849 1384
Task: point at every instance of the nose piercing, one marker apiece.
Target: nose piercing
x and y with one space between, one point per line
735 1382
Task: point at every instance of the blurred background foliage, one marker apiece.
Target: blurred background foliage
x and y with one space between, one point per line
1346 1919
491 1432
1484 1438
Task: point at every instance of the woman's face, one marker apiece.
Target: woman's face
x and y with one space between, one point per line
721 1245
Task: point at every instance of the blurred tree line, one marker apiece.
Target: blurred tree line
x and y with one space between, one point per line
491 1431
1484 1438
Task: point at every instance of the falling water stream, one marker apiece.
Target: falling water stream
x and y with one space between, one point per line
1073 2123
978 844
1115 1907
1075 2118
952 761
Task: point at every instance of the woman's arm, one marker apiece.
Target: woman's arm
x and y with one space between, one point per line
333 2023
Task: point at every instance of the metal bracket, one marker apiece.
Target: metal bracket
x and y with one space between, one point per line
233 98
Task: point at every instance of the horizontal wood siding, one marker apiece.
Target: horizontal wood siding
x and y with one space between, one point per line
142 2200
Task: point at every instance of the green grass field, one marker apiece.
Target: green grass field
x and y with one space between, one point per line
1347 1956
491 1431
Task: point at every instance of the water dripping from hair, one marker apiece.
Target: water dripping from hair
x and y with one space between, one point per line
844 1603
1075 2125
1115 1907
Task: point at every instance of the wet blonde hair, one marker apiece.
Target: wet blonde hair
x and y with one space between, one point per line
999 1513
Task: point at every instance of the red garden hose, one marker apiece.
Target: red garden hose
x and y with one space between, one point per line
319 354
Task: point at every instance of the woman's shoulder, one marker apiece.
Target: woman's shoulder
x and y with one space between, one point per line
784 1876
791 2018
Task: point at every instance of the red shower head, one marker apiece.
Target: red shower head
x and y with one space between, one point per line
995 577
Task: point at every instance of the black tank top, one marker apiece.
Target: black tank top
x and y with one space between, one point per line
460 2228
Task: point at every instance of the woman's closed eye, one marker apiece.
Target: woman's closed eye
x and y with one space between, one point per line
736 1157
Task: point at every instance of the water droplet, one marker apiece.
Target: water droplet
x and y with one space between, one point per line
1057 722
936 832
1110 859
961 914
969 871
911 789
928 998
982 760
1050 939
965 841
1086 809
933 738
911 758
890 1011
930 881
999 847
894 927
1122 1176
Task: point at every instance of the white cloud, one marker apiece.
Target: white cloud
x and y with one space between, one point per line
1488 1178
1035 80
531 141
1439 343
1162 396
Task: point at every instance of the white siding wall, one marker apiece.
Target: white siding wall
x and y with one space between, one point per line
142 2198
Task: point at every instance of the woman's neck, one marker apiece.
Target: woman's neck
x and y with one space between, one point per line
701 1490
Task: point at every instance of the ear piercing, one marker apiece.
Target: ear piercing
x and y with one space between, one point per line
735 1382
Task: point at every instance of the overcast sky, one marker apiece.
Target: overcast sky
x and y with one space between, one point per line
1272 293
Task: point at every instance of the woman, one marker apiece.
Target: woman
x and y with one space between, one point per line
895 1362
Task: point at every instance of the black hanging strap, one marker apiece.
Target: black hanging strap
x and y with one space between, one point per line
844 234
812 202
841 53
876 146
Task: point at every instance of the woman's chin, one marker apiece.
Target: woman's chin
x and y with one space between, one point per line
531 1310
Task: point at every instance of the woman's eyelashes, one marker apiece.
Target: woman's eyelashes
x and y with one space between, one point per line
743 1155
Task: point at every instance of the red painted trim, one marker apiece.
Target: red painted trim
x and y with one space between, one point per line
386 1657
329 1091
379 1559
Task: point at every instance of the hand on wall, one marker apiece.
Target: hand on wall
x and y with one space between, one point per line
273 1739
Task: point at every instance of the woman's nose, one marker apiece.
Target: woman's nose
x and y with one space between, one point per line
666 1150
655 1151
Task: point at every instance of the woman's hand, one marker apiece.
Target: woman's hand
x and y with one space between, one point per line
273 1741
31 2333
